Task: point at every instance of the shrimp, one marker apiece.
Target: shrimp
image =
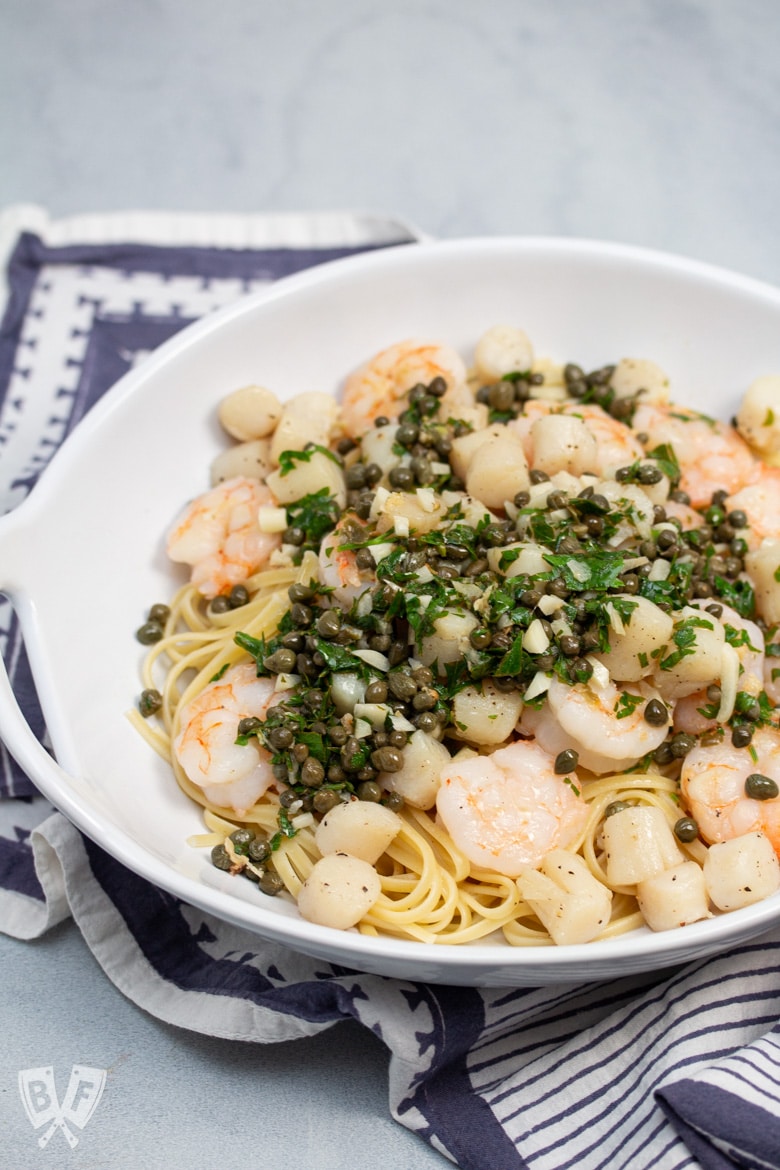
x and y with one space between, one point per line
711 455
231 775
760 501
712 782
219 535
604 723
339 569
508 810
379 387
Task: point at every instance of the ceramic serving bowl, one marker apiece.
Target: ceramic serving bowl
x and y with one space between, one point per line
82 558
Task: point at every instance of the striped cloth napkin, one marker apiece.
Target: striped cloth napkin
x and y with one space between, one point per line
671 1070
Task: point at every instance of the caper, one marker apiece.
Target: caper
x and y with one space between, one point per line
149 702
616 806
759 787
258 850
666 539
394 801
566 761
376 692
663 753
407 434
149 633
352 755
398 652
300 592
581 670
538 476
294 535
312 772
737 518
387 759
301 615
531 597
242 839
680 744
437 386
220 604
648 473
402 686
329 623
325 800
424 700
280 738
655 713
355 476
281 661
159 613
480 638
686 829
425 721
249 725
741 736
238 596
501 396
270 883
401 478
570 645
221 858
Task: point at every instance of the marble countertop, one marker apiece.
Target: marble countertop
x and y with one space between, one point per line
652 122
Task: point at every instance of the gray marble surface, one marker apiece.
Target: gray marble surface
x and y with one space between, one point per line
654 122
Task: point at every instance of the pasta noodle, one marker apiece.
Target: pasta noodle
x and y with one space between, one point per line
403 603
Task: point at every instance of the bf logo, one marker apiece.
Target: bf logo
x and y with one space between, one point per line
39 1096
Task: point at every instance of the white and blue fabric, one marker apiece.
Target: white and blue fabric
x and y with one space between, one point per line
670 1071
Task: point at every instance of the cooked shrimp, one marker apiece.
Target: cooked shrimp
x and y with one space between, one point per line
713 786
339 569
508 810
379 387
231 775
219 535
603 722
711 455
760 501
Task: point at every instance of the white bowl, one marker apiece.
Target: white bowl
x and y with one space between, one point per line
82 557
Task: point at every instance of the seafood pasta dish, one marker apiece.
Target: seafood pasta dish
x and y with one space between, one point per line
488 646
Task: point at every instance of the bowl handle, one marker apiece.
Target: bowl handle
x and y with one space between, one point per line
18 737
15 732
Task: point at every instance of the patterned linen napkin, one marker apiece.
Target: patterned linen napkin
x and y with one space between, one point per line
672 1070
